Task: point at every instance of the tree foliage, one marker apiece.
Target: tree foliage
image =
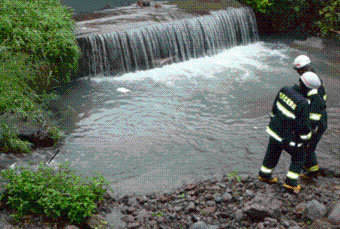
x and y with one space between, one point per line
313 16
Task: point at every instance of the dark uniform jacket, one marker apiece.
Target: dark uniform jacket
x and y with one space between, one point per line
318 114
290 122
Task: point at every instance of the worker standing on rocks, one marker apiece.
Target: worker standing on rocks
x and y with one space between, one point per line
289 130
318 117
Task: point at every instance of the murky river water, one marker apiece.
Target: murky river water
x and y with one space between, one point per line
153 130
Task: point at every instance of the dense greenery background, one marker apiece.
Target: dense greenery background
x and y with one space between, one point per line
38 53
312 16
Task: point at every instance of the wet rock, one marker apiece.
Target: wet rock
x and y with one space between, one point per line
315 209
133 225
97 221
239 215
260 225
227 197
10 227
199 225
128 219
209 197
209 210
320 224
211 203
71 227
300 208
334 215
311 42
190 187
115 219
263 205
249 193
191 207
178 208
143 215
223 215
218 198
285 223
271 221
244 177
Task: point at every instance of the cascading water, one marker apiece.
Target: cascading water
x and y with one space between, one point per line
172 42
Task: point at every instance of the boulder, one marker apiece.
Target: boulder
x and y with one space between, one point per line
315 209
311 42
71 227
334 215
199 225
97 221
263 205
202 225
320 224
28 129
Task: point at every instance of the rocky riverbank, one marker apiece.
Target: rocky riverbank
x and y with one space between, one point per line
231 201
236 202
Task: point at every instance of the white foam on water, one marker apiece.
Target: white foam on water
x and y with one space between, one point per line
123 90
241 60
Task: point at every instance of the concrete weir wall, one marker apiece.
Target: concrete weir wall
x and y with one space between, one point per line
132 38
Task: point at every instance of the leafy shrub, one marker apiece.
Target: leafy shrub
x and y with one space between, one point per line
259 5
234 176
330 19
16 95
56 193
44 31
9 142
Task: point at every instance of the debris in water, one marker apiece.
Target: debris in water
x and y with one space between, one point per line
123 90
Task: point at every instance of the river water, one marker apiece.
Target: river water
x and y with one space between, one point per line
156 129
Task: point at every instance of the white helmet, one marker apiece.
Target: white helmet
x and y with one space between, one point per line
310 80
301 61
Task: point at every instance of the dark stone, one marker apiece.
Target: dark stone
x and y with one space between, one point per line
227 197
97 221
334 215
71 227
320 224
263 205
315 209
199 225
311 42
209 210
239 215
128 219
133 225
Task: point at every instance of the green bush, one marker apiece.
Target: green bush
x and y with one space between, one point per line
9 142
16 71
42 29
56 193
329 23
259 5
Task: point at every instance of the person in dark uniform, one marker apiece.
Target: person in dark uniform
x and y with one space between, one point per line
289 130
318 117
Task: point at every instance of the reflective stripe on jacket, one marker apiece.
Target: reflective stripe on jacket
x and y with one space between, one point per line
290 120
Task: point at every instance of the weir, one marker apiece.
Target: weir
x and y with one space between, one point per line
165 43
